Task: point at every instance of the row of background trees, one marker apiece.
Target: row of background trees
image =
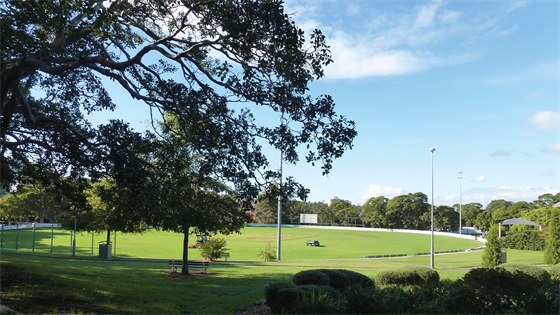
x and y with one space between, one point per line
410 211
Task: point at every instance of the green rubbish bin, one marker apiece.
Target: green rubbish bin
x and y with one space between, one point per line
105 250
504 257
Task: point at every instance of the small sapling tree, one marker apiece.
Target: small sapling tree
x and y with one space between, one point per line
492 255
213 249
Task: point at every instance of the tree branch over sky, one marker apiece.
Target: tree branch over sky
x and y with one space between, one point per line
195 59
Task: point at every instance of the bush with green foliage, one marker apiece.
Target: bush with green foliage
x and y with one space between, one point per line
409 276
524 240
498 291
541 276
213 249
322 289
492 255
552 250
357 279
555 273
315 277
271 290
337 279
268 253
314 303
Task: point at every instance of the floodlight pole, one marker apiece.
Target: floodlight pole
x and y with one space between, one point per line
75 224
279 238
460 202
432 245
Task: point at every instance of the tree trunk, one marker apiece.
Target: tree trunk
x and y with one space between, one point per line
185 269
108 236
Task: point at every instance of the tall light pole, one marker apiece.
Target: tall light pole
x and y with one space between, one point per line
460 202
432 247
279 237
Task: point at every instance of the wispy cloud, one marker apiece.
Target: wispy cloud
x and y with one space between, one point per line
546 173
538 72
480 178
415 39
544 121
485 195
536 94
500 153
378 190
552 148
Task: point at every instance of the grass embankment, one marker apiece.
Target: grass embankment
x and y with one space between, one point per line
49 285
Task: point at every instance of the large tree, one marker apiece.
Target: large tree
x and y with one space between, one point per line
203 62
373 211
469 212
405 211
199 60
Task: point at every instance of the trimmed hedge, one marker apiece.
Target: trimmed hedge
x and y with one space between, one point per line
337 279
357 278
315 277
539 274
525 240
409 276
271 290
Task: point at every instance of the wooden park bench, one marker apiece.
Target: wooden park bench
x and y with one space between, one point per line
192 264
224 255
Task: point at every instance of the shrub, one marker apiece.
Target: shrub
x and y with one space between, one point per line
320 289
311 277
555 272
524 240
268 253
497 290
315 303
551 252
213 249
357 278
362 300
492 255
409 276
286 297
271 291
541 276
337 279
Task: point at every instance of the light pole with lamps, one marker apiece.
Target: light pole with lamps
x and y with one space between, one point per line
432 247
460 202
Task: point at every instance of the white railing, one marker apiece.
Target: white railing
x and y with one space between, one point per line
463 236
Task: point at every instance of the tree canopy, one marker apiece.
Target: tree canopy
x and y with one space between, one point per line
206 62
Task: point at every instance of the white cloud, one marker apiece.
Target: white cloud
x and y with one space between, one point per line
485 195
547 173
389 43
536 94
501 153
552 148
378 190
426 14
480 178
544 121
450 197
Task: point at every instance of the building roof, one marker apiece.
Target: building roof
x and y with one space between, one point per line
518 221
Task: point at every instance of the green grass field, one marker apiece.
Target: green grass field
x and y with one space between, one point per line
41 284
158 244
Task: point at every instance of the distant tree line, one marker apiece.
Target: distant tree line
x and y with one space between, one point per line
410 211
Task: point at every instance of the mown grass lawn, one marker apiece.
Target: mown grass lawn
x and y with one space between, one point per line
244 246
36 284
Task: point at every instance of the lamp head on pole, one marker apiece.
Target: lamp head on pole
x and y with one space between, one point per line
432 150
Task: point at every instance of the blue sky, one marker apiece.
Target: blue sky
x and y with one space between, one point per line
477 80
